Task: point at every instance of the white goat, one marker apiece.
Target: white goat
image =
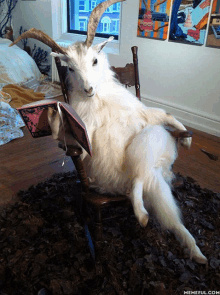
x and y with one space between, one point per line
131 148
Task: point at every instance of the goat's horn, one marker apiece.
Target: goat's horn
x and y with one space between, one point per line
95 18
41 36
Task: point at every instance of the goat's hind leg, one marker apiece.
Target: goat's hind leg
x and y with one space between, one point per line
170 120
156 116
160 198
140 158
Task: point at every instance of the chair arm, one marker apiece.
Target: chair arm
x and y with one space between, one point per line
179 133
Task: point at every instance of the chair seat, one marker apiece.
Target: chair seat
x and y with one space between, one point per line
98 200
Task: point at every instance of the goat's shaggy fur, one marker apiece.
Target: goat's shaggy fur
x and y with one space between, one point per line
131 148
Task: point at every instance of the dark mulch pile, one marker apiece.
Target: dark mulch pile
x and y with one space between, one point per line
43 245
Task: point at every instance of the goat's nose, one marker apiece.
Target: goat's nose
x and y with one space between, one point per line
89 91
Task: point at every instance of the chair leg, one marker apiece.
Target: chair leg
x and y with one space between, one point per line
98 224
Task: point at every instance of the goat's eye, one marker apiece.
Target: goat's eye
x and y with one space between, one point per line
95 62
71 70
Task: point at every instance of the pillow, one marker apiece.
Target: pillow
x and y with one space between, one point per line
16 65
5 41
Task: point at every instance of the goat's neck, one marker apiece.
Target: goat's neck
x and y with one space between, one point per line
88 108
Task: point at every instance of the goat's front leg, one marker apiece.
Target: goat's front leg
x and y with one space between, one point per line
136 197
156 116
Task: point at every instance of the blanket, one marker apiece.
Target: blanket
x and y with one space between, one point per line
21 96
10 123
15 96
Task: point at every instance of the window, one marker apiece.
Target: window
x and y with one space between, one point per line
82 23
114 7
115 25
106 21
93 5
82 5
78 12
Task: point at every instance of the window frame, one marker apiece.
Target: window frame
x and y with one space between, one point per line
102 35
60 35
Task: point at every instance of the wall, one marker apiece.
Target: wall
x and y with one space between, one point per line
183 79
33 14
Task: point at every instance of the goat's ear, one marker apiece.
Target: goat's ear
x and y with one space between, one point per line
100 46
63 57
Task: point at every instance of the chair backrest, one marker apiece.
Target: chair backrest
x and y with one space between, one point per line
128 75
62 72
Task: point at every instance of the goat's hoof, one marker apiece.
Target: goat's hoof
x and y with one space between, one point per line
197 255
186 142
200 259
91 180
143 219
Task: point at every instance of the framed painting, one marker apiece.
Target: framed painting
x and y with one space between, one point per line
213 38
153 19
189 21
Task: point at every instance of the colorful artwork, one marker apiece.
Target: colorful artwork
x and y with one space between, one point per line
153 18
189 21
213 39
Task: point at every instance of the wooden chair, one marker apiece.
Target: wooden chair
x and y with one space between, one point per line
62 72
128 76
